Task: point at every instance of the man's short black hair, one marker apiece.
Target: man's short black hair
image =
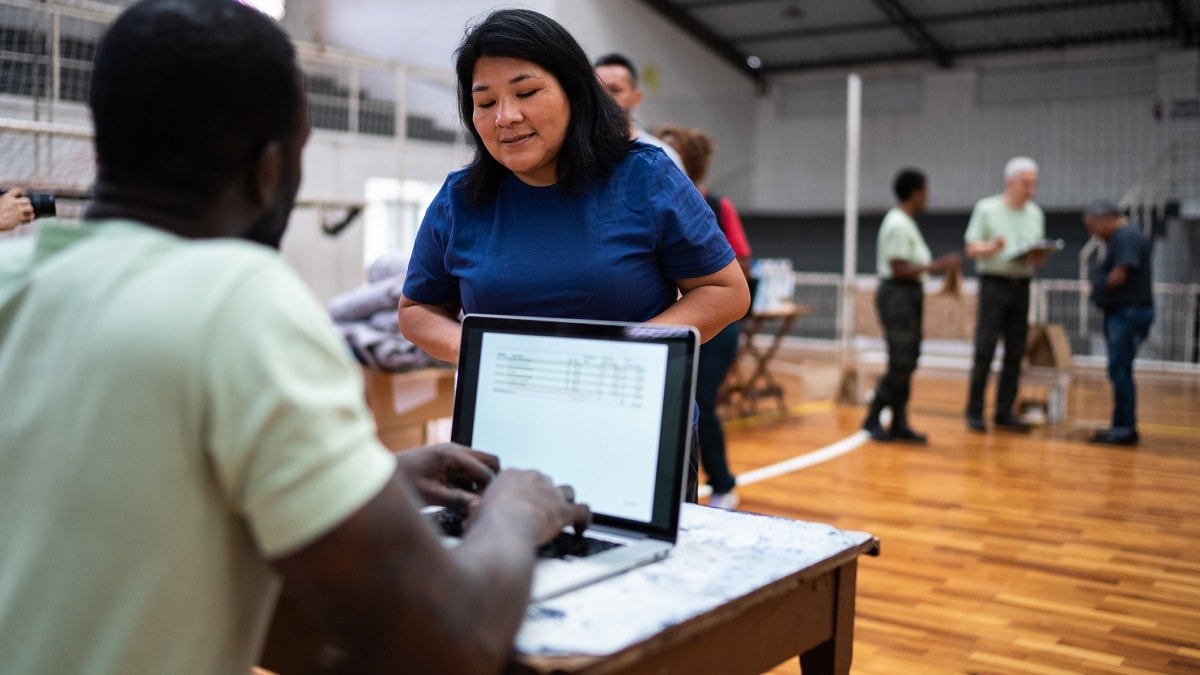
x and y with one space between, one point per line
1102 207
907 182
598 132
184 93
615 59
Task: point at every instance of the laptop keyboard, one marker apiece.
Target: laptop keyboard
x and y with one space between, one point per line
448 521
565 545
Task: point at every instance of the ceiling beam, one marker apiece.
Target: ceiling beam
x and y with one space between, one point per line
906 22
704 4
726 49
985 14
1016 45
1181 23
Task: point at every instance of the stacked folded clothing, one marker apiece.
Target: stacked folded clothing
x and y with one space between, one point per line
367 319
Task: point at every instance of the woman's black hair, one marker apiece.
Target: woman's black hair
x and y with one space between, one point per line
598 132
162 120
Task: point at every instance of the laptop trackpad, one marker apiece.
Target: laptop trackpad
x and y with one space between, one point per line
555 576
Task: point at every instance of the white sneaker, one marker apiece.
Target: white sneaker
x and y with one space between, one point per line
724 500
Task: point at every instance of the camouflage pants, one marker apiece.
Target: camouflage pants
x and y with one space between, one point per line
900 305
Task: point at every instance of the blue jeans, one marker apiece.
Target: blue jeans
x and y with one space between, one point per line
716 356
1125 328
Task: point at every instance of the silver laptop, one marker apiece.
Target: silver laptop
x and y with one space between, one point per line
604 407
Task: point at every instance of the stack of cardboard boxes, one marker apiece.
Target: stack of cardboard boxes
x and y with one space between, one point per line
405 404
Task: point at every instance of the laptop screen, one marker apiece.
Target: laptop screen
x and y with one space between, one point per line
604 407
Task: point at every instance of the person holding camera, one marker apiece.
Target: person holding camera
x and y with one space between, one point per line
15 209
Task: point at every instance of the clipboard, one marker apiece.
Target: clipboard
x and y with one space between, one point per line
1042 246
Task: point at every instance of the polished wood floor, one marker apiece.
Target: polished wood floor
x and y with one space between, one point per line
1007 553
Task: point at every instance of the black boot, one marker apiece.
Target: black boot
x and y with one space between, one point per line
1010 422
904 433
871 424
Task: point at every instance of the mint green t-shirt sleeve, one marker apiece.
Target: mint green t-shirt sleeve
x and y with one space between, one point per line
893 244
292 442
976 226
898 244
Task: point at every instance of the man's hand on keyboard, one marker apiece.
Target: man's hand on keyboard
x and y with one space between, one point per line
448 474
531 497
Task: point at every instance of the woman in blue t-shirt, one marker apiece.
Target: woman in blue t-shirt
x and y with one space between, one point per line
560 213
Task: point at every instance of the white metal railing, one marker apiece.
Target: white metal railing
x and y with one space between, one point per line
1172 339
46 133
1174 177
34 43
1173 343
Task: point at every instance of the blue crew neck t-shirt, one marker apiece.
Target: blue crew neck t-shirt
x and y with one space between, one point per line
611 253
1126 248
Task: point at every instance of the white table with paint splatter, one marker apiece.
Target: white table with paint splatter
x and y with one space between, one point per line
740 593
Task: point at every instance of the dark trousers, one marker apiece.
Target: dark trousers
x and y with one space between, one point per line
716 356
1003 313
691 490
1125 328
900 305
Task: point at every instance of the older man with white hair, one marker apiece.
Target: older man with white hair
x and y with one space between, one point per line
1001 227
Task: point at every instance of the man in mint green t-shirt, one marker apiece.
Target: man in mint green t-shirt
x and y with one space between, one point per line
1000 227
902 261
183 429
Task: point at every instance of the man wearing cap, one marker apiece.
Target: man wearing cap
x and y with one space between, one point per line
1000 227
1122 288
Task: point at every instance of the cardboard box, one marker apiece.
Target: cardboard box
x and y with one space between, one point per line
1047 345
403 403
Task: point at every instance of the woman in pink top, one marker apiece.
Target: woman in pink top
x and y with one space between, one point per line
695 147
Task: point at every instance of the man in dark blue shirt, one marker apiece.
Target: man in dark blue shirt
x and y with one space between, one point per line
1122 288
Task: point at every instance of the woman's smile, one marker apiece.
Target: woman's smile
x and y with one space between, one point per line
521 113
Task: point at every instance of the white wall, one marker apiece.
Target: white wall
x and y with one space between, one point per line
336 169
412 31
1087 147
684 82
767 162
687 85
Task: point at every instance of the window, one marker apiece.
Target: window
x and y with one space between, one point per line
393 213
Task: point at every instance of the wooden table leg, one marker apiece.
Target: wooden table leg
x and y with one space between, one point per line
833 656
761 383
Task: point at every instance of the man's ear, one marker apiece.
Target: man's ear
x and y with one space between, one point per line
267 175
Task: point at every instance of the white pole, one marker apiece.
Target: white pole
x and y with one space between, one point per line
850 229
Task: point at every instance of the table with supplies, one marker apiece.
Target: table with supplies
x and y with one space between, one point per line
745 386
740 593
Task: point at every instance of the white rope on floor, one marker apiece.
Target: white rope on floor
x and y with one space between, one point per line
847 444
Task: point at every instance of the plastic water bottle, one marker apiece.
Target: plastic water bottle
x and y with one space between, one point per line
776 283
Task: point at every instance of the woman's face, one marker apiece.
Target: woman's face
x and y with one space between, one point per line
521 112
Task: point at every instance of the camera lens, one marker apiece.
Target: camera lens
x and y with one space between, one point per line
42 203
